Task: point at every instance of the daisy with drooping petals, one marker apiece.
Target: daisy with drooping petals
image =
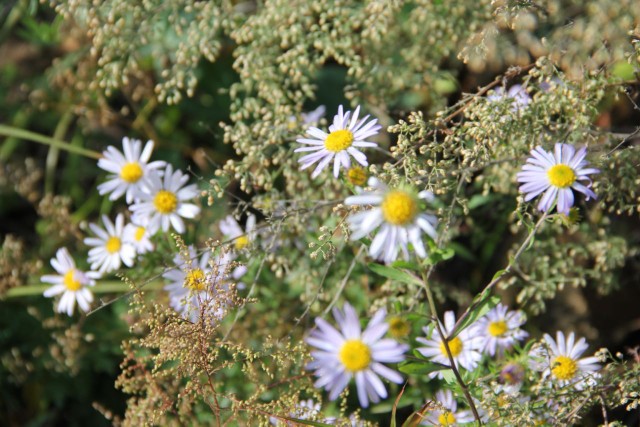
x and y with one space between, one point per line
400 217
128 170
465 347
139 235
500 329
70 282
560 360
162 201
233 231
110 248
349 352
345 136
556 175
197 282
447 414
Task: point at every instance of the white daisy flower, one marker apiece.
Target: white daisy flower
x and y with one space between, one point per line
560 360
555 175
110 249
70 282
447 414
349 352
465 347
517 95
233 231
345 136
500 329
128 170
139 235
398 213
195 284
308 118
162 201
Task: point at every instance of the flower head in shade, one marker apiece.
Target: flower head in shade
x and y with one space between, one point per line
304 410
560 360
198 285
517 96
465 347
163 201
500 329
350 352
70 282
447 414
233 231
308 118
556 175
110 249
345 136
398 214
139 235
128 170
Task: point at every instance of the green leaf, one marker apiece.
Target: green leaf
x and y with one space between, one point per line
420 368
480 310
406 264
449 376
438 255
306 422
394 274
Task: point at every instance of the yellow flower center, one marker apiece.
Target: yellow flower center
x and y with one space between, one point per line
399 207
338 140
195 279
564 368
139 233
113 245
455 345
165 202
497 329
447 419
131 172
357 175
70 281
241 242
355 355
561 176
398 327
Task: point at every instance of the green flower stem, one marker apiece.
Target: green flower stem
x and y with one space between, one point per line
10 131
54 152
445 341
525 245
101 287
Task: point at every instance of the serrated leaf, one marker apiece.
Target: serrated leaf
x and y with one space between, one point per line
394 274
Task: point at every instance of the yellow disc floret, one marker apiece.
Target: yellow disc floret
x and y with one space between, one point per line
357 175
131 172
399 207
338 140
497 329
355 355
195 280
564 368
113 245
398 327
455 345
70 281
561 176
165 202
139 233
447 419
241 242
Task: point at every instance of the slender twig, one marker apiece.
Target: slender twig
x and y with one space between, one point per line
445 341
42 139
344 282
